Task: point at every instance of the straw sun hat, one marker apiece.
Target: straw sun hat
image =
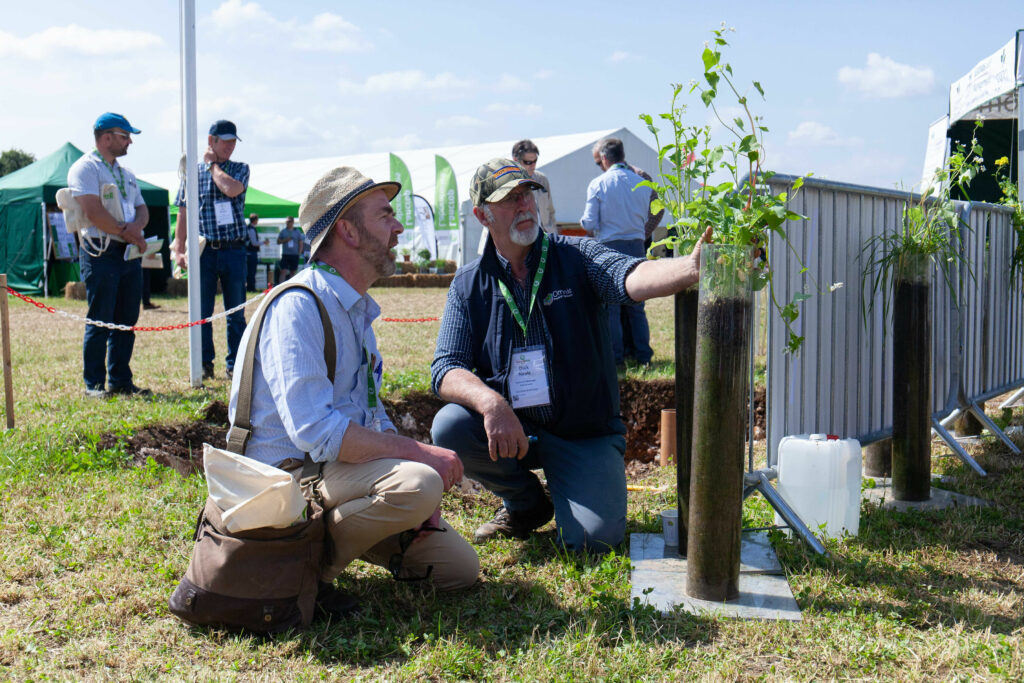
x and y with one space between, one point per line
332 195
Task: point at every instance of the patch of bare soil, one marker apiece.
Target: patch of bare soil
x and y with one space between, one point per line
180 445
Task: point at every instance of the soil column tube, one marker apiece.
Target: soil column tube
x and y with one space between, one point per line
719 419
686 344
911 380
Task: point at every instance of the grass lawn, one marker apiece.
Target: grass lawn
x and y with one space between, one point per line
92 550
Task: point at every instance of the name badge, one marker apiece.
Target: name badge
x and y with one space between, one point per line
528 378
223 212
290 243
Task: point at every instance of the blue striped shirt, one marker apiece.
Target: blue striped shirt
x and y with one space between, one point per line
295 408
606 274
209 194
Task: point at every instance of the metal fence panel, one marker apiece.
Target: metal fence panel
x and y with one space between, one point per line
840 382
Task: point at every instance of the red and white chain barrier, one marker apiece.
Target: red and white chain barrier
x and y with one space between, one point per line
181 326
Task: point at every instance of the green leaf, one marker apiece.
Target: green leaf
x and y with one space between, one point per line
707 96
759 88
712 79
710 59
656 205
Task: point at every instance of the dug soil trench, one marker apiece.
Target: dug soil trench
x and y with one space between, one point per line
180 445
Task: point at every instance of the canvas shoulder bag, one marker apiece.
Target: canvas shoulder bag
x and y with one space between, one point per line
265 579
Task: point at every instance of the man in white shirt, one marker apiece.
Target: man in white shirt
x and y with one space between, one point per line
113 286
382 491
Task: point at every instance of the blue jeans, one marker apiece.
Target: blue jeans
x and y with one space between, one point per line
252 262
228 266
113 289
639 340
586 477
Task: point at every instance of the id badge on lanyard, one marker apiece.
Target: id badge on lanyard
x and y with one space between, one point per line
222 210
528 378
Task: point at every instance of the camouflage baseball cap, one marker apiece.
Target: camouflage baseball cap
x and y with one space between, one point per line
494 180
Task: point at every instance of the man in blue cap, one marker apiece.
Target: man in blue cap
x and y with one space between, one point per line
222 186
113 286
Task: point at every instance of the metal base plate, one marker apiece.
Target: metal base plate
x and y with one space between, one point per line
659 579
882 495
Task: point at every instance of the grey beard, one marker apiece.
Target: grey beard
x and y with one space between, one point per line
524 239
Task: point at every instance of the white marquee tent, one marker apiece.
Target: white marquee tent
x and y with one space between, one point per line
567 161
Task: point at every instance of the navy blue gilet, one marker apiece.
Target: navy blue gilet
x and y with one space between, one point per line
584 385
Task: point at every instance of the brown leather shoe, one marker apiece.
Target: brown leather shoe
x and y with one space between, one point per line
331 602
516 524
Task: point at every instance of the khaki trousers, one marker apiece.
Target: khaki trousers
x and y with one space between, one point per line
367 506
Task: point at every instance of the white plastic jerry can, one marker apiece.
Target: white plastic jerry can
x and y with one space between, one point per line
819 476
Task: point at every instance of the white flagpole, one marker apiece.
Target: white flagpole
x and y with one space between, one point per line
188 75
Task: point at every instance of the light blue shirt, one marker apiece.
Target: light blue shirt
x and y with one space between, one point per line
614 210
295 409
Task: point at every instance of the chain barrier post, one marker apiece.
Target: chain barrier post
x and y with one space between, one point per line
5 324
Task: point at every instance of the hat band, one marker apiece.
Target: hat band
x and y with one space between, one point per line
328 218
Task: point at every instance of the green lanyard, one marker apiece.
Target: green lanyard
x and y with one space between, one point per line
371 386
533 293
119 178
317 265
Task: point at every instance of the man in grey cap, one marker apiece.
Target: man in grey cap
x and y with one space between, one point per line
524 358
382 491
222 186
113 286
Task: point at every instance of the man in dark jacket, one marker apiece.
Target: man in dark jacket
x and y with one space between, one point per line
524 358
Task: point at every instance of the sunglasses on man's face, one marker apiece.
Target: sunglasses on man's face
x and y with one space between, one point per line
530 162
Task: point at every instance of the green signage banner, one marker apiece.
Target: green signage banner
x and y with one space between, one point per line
446 196
402 203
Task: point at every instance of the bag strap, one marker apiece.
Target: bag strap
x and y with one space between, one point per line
241 428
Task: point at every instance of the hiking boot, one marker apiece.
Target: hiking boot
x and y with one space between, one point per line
96 393
207 370
130 390
331 602
149 306
516 524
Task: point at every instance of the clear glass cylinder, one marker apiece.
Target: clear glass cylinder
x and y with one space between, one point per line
724 323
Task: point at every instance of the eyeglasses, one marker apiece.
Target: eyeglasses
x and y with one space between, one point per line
126 136
405 539
515 197
530 162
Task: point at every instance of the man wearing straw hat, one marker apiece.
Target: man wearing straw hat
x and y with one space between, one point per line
382 491
524 358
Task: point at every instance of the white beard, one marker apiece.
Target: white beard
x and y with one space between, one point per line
528 237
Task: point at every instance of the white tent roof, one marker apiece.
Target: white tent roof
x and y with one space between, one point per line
565 159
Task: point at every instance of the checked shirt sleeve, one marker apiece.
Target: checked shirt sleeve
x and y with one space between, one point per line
607 270
454 345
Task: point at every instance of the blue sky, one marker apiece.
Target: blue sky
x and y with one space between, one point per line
851 87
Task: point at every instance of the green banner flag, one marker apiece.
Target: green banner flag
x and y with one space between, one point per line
446 196
446 210
402 203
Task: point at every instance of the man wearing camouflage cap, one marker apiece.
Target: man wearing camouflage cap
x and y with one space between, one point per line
381 491
524 359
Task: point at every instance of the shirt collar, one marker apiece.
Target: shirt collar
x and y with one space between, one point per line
532 259
346 295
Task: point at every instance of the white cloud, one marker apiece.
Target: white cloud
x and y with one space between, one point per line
387 144
510 82
75 40
326 32
885 78
621 57
459 121
517 108
816 134
411 80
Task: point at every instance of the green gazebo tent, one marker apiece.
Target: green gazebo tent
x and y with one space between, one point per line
28 193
